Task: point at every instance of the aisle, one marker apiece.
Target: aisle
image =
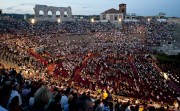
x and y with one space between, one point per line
38 57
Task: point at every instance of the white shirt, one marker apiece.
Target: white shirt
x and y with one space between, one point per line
64 101
13 94
25 92
2 109
128 109
31 101
66 107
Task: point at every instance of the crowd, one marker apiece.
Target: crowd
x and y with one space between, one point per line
22 94
81 72
172 70
13 28
159 32
155 32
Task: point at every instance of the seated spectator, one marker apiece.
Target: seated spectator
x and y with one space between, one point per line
66 107
64 99
111 106
127 106
84 103
41 99
106 106
98 105
105 95
30 100
15 92
72 103
19 77
14 104
5 92
54 105
26 91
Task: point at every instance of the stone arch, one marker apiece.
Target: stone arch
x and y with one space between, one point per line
65 13
41 13
49 13
58 14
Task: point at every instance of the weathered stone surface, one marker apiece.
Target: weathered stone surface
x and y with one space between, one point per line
45 9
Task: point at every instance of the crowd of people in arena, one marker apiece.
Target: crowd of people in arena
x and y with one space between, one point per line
172 70
156 32
22 94
82 72
159 32
13 28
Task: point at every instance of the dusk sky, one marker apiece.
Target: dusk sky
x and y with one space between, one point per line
91 7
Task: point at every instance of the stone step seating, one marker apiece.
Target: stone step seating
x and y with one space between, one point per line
7 60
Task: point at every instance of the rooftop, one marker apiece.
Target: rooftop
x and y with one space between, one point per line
112 10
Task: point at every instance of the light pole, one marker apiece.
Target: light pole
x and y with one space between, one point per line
59 20
32 22
92 20
120 20
148 20
148 26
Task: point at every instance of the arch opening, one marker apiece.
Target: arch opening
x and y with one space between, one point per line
65 14
41 13
58 14
49 14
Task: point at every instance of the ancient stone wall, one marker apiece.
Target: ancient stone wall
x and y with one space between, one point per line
50 13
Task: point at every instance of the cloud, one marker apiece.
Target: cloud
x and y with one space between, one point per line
25 4
26 12
10 8
18 10
85 7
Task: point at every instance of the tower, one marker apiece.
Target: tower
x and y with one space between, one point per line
122 8
25 17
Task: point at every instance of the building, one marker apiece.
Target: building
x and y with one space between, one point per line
114 15
161 15
50 13
130 16
173 20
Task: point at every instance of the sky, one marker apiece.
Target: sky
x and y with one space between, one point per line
91 7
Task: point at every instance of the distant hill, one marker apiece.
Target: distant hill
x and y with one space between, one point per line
21 16
17 16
